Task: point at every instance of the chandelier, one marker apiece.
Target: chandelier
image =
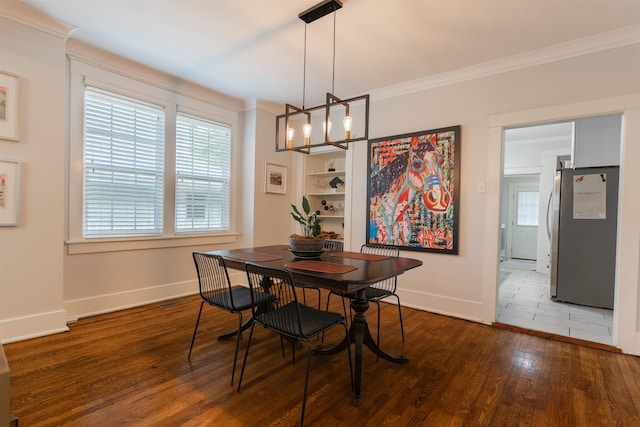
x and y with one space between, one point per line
300 129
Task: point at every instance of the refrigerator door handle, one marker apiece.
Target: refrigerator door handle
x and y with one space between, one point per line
553 280
549 218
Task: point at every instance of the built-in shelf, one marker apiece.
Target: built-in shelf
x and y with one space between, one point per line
337 193
317 187
331 173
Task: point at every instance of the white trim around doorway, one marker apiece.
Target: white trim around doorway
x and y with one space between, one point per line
626 304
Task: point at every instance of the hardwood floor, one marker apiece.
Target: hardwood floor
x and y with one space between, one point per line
131 368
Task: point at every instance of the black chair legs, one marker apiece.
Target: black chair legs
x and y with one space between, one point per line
306 383
238 336
307 369
400 314
195 330
246 353
235 355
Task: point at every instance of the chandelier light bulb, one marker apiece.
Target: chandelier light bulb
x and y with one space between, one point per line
306 131
290 133
326 128
348 122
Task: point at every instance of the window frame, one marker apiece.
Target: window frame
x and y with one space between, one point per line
192 117
194 103
116 164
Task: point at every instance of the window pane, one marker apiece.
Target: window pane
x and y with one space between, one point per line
528 208
123 166
203 169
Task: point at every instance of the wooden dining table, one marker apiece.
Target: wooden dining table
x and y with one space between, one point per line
348 272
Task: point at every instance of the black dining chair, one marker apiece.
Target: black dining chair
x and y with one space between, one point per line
376 291
331 245
290 319
216 290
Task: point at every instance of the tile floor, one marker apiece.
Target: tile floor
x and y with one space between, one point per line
524 301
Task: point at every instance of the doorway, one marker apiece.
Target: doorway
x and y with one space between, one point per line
530 157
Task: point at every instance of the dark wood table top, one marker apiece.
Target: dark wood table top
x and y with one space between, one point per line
366 273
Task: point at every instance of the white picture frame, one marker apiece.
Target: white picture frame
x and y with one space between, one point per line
275 179
9 106
9 192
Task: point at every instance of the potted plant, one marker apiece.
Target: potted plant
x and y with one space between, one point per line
309 240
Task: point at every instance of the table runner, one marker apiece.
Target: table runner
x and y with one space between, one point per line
359 255
252 256
321 266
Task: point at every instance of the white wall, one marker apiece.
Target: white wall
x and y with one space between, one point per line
31 254
271 222
451 284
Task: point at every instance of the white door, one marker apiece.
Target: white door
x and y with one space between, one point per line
523 221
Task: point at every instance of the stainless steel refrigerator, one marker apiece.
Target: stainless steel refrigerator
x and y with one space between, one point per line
584 234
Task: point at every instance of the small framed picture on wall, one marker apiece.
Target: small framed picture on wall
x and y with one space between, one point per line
275 181
9 106
9 192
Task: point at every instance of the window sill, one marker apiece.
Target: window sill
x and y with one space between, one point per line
143 243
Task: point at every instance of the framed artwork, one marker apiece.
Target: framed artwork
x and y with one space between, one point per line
9 192
9 98
413 190
275 180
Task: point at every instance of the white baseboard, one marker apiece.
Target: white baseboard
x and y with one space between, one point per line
100 304
34 326
462 309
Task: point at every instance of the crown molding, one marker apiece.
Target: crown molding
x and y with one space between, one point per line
98 58
584 46
31 17
268 106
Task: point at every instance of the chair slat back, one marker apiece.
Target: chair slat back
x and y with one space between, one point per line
284 313
213 279
334 245
388 284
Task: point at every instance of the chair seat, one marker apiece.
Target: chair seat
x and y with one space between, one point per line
240 296
376 294
371 293
312 321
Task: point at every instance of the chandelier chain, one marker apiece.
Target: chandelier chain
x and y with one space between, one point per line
333 75
304 68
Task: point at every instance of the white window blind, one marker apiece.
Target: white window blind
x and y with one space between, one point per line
123 165
203 169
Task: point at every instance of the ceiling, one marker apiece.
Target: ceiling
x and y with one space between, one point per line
254 49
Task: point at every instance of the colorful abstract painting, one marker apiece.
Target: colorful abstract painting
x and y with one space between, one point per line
413 190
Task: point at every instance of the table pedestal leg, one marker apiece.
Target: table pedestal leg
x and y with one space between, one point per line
233 333
359 334
261 309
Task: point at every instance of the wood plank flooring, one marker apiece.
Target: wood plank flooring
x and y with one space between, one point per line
130 368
